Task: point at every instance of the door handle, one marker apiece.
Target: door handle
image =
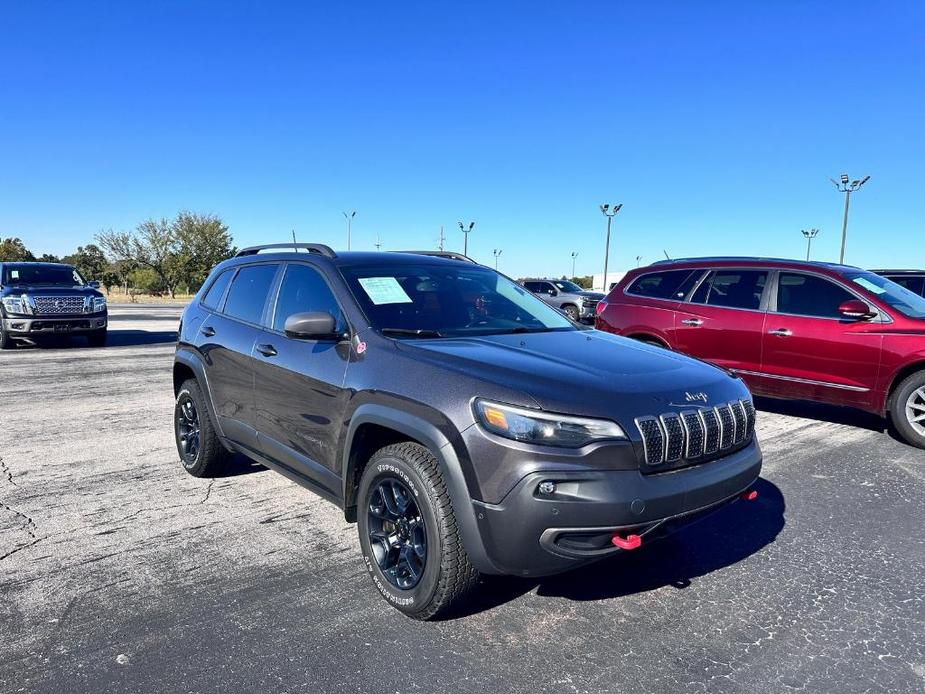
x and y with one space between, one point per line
693 322
207 330
780 332
266 350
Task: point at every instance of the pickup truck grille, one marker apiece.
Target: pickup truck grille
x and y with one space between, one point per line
675 439
55 305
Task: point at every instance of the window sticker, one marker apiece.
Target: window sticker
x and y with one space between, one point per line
869 286
384 290
14 274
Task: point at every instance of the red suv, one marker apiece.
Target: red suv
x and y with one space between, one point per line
791 329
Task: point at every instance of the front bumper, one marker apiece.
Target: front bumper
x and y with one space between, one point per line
37 326
587 311
531 534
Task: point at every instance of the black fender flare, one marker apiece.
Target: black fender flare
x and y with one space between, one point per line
440 446
193 361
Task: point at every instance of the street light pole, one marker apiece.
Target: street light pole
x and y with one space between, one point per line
843 186
810 234
497 253
349 218
574 255
378 242
465 230
608 212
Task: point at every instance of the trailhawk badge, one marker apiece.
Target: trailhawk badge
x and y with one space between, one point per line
696 397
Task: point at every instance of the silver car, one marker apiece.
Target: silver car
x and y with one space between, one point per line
575 302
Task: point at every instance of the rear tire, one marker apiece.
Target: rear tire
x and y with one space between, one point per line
97 338
200 449
408 533
907 409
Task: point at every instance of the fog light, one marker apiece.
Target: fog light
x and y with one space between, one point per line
17 326
547 488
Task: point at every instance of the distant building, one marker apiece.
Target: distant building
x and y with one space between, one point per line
613 276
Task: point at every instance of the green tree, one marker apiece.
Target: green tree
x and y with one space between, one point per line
585 282
203 242
91 263
48 258
13 249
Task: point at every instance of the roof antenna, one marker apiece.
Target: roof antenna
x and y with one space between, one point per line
667 257
295 246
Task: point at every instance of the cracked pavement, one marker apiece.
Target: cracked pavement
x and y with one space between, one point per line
121 573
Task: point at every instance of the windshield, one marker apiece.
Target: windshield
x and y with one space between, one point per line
60 275
566 286
893 295
448 301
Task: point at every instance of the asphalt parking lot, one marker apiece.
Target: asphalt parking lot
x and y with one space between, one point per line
121 573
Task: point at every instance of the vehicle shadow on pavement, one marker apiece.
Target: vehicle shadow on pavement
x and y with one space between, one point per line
115 338
239 465
823 413
718 540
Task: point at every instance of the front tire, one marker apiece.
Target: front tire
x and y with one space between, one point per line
408 533
571 312
200 449
6 341
907 409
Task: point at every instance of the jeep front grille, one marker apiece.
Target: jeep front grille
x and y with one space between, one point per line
673 439
55 305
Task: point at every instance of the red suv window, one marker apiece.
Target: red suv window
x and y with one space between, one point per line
671 284
808 295
732 289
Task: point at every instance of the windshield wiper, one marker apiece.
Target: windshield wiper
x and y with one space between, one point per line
411 332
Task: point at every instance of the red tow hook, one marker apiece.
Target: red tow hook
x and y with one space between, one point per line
628 542
750 495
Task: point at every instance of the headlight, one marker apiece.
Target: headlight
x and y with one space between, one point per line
533 426
99 303
16 304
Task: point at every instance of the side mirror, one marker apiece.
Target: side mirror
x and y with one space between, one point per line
93 284
552 292
311 325
856 310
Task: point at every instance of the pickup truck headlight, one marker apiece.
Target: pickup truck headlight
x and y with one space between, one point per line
99 304
16 304
533 426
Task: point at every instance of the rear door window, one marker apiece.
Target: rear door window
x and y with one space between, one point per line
249 291
809 295
304 289
732 289
671 284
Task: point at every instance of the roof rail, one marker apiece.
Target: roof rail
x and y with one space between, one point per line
318 248
442 254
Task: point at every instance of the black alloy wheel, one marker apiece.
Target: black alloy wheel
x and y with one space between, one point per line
188 430
397 534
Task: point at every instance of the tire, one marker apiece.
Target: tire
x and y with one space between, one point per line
907 403
198 445
649 341
445 576
571 311
6 342
97 338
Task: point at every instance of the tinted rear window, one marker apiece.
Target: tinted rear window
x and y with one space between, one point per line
910 282
671 284
249 291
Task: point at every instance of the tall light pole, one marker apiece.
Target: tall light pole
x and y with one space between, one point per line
843 186
442 239
378 242
349 218
608 212
574 255
638 260
497 253
465 230
810 234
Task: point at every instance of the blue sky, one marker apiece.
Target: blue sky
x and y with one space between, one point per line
717 125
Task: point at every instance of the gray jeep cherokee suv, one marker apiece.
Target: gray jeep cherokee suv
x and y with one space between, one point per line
463 424
41 299
577 303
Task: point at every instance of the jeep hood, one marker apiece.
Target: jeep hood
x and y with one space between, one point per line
585 372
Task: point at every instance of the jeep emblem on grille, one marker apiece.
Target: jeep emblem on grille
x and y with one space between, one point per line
695 397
